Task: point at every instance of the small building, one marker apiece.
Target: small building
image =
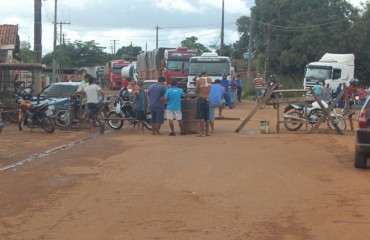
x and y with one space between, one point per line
9 44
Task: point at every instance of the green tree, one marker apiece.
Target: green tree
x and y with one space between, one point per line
191 43
27 55
290 33
128 52
78 54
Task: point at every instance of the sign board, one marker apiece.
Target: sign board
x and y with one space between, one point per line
245 55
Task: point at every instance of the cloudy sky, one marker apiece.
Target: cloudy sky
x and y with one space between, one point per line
124 21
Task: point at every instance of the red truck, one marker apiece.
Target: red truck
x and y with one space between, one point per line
171 63
112 73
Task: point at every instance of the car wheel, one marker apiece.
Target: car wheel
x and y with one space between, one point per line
360 159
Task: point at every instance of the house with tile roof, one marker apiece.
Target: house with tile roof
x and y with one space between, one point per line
9 43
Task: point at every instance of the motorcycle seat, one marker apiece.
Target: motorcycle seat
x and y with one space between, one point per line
37 107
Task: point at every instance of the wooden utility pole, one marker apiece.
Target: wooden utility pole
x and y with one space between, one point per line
114 49
267 62
55 43
250 49
156 37
37 45
222 31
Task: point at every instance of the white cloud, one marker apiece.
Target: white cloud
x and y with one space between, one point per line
175 5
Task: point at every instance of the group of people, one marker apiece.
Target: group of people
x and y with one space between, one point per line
165 103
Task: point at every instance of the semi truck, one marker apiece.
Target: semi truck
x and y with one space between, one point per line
331 69
129 72
171 63
215 66
112 73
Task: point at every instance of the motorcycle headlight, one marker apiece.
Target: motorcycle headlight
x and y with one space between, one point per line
357 97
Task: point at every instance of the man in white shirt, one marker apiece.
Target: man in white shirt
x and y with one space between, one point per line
92 100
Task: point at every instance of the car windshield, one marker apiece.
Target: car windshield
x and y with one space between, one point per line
318 74
57 90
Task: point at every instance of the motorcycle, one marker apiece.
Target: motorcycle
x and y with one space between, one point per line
272 96
34 115
65 117
125 107
294 116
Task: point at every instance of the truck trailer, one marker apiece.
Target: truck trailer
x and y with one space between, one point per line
331 69
171 63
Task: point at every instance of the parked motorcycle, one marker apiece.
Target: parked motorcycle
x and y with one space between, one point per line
34 115
125 107
294 116
65 117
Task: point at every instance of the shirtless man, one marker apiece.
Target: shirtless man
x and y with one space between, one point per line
202 89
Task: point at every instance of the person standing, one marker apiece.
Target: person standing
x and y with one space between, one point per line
215 101
258 85
338 90
202 90
173 110
317 88
326 93
225 83
141 100
233 90
239 82
81 89
92 100
156 103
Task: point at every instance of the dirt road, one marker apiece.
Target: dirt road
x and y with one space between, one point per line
125 185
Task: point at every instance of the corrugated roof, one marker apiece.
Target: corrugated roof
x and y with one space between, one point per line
8 34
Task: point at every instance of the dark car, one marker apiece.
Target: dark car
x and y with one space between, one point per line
362 151
58 94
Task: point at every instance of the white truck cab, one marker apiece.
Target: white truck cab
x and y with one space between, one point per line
212 63
331 69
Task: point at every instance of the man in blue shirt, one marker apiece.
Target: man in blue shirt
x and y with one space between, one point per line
156 96
226 84
215 100
173 110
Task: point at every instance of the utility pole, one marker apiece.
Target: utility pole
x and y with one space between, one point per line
37 45
131 53
267 62
61 44
55 42
114 48
156 38
250 49
222 31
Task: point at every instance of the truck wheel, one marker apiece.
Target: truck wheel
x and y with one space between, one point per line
360 160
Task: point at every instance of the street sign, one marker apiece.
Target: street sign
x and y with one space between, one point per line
245 55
